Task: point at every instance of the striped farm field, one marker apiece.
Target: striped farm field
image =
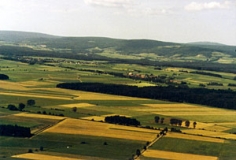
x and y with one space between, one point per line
175 155
194 137
29 115
53 156
12 86
78 105
208 126
171 105
211 133
82 95
217 127
99 129
35 156
190 112
95 118
186 109
228 124
35 83
100 118
34 95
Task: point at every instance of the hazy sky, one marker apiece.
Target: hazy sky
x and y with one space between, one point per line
165 20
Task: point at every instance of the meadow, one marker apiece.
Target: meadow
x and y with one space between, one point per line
83 133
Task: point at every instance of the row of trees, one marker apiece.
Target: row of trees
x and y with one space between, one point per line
174 121
21 106
207 73
158 119
138 153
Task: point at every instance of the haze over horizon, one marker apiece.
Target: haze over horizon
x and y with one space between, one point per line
165 20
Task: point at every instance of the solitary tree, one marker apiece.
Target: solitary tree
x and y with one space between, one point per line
187 123
138 152
12 107
157 118
180 122
194 124
162 120
21 106
31 102
41 148
165 129
74 109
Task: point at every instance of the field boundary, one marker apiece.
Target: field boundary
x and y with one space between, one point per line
45 127
149 145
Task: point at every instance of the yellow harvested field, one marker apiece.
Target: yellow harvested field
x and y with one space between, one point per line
182 109
216 128
34 83
188 108
193 113
92 128
12 86
78 105
114 115
172 105
27 94
193 137
82 95
199 125
95 118
35 156
227 124
210 133
101 118
175 156
30 115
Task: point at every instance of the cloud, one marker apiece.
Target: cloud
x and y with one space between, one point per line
195 6
110 3
131 7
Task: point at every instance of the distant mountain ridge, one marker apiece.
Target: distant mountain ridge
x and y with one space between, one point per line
97 45
206 43
18 36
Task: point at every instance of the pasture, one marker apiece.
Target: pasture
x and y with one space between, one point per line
222 150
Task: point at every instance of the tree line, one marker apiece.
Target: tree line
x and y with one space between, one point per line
21 106
207 73
15 131
210 97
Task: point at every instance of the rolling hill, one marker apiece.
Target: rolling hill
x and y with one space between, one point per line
35 42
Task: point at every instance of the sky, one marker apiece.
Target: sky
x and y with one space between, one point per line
165 20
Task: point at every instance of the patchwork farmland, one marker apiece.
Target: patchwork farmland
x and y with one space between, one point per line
70 124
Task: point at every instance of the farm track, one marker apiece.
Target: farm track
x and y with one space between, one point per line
143 150
44 128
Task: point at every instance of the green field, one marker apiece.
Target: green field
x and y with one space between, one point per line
223 151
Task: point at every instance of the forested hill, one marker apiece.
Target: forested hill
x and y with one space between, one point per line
96 45
17 37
